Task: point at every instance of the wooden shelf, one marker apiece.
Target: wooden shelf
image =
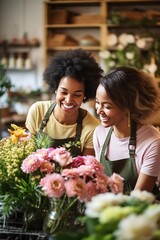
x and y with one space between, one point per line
99 30
90 25
62 48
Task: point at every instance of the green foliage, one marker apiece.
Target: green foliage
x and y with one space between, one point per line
43 140
5 82
18 189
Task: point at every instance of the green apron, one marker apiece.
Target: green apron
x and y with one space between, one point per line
124 167
71 144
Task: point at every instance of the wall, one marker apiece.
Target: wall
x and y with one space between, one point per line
16 18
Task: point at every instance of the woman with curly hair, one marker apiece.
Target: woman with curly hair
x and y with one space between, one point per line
125 142
74 77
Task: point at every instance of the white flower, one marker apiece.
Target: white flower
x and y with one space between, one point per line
104 54
129 55
113 56
120 46
153 213
143 196
115 213
112 40
111 63
130 38
102 201
141 43
123 39
135 227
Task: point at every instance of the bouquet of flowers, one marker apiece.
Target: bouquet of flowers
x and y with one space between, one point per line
69 179
32 173
122 217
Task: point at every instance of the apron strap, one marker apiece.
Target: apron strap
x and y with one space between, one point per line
46 117
107 141
132 140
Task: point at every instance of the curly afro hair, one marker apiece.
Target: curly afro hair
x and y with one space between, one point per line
75 63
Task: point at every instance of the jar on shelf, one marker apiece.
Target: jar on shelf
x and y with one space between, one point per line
11 61
19 61
4 61
27 63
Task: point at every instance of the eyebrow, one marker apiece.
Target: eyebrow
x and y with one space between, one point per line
105 102
74 91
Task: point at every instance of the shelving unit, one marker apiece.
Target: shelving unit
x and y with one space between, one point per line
82 18
86 18
15 50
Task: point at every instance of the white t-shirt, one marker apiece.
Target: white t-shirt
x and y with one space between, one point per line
147 155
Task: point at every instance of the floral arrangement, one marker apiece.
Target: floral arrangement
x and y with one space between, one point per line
69 179
135 51
17 190
123 217
31 173
81 176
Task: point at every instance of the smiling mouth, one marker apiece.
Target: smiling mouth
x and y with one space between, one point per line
104 119
68 106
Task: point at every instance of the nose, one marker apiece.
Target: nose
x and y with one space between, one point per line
99 108
68 98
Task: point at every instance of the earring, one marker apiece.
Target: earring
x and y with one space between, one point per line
129 119
84 98
55 92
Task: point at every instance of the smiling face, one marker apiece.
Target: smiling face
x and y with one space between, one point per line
69 97
109 113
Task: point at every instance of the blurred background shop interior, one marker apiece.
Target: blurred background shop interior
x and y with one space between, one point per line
116 32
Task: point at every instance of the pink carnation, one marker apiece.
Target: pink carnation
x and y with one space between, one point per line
101 182
47 167
75 187
42 154
30 164
116 183
61 156
53 185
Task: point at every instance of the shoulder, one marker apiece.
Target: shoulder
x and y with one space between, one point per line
148 133
40 106
91 120
148 139
100 130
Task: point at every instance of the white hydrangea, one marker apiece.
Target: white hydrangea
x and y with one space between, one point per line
153 213
99 202
135 227
142 196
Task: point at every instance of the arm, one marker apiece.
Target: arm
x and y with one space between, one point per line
145 182
88 151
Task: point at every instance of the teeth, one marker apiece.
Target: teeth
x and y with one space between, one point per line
104 119
66 106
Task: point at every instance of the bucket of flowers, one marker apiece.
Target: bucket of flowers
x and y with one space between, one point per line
33 175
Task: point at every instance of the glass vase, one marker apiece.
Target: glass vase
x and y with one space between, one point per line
62 216
33 217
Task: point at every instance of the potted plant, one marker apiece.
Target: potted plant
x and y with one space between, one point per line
5 84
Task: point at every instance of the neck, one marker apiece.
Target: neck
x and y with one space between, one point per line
64 119
122 132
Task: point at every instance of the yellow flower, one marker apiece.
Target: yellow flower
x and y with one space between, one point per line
17 133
